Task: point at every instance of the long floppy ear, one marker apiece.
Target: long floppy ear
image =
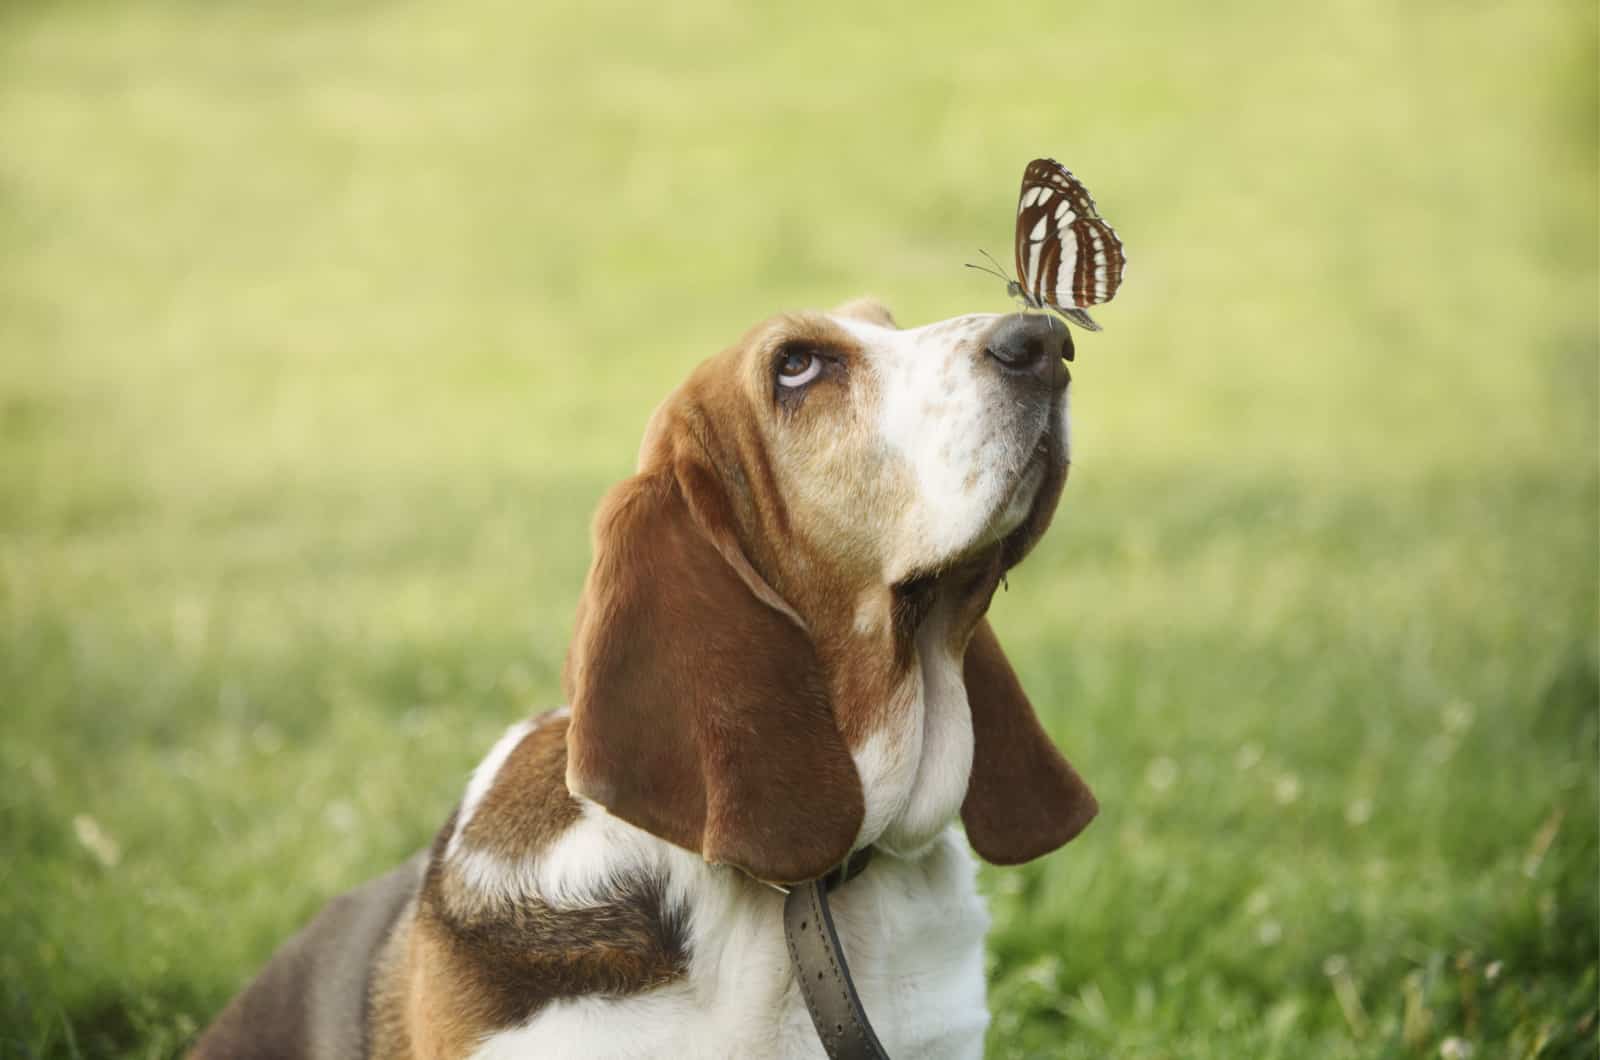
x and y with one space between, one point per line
699 711
1023 799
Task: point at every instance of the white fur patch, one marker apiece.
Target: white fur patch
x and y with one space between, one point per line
582 867
959 427
945 765
914 770
888 760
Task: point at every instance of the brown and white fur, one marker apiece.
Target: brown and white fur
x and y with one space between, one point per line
780 657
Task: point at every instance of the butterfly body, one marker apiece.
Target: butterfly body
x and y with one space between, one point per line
1068 257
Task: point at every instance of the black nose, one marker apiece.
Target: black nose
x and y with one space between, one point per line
1032 344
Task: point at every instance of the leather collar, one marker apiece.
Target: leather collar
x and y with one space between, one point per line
820 968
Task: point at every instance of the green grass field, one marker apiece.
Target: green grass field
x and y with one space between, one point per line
323 329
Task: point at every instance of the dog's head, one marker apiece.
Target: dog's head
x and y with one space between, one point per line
780 653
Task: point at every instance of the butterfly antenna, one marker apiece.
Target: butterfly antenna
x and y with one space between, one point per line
984 268
998 270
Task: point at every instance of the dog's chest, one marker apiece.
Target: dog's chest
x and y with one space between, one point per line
912 932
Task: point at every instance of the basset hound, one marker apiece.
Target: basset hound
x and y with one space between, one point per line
780 658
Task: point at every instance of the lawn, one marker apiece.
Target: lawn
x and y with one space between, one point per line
324 327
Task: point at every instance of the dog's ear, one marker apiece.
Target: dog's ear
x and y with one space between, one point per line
699 712
868 309
1023 799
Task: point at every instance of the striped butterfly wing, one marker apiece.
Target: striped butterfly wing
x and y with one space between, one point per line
1068 258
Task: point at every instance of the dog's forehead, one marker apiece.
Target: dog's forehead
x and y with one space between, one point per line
952 332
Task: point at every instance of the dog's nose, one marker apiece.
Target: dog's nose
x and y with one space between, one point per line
1032 344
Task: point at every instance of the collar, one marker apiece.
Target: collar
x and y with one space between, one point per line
820 968
853 865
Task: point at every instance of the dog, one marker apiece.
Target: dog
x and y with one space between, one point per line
780 659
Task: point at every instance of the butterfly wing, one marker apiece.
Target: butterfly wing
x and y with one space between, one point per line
1079 317
1068 258
1033 229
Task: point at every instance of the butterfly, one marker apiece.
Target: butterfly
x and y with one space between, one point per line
1068 258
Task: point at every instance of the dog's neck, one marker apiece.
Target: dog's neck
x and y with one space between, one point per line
915 763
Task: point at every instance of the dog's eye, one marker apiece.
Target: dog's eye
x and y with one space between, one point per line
798 368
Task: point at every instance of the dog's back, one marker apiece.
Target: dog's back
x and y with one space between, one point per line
311 999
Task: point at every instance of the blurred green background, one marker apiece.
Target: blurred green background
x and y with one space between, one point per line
324 327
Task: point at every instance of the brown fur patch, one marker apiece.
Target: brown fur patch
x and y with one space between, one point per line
463 965
388 1025
528 806
471 974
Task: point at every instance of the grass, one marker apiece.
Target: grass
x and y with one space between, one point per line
323 328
